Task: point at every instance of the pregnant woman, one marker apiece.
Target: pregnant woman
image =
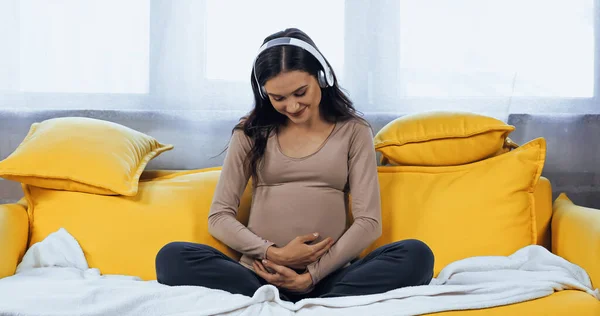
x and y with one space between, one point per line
306 150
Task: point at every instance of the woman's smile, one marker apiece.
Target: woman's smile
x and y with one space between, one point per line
298 113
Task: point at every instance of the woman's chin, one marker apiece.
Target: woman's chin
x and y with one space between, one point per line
297 120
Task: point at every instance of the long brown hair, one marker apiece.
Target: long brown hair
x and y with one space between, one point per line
335 105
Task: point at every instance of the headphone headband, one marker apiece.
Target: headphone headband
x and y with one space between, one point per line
328 74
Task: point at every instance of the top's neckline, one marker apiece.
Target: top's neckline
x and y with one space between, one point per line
333 130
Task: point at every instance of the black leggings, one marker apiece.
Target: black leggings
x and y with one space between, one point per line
399 264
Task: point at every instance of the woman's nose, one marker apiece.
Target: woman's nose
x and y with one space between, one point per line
293 107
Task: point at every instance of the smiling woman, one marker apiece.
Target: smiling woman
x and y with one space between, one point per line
306 149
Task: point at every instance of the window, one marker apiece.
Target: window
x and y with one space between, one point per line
234 36
474 48
73 46
396 56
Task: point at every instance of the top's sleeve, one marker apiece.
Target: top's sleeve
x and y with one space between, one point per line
222 221
366 206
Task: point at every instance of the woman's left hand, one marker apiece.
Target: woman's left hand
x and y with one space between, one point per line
282 276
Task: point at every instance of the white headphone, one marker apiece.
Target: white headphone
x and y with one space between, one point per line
324 76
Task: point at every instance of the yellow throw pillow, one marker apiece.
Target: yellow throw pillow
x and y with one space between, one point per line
82 154
479 209
14 229
121 234
441 139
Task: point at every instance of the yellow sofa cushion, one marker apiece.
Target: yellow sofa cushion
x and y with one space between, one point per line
122 235
14 229
543 212
477 209
441 139
82 154
486 208
561 303
576 235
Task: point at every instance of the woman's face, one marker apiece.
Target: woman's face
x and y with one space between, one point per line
295 94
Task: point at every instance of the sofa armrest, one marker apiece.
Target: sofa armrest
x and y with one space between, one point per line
576 236
14 232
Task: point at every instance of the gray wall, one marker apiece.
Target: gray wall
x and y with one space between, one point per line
199 137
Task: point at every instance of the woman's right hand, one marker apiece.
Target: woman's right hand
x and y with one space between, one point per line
297 254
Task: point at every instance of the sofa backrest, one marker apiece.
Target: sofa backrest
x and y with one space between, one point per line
200 137
175 208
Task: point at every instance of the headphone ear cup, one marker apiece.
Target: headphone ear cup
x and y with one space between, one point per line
321 79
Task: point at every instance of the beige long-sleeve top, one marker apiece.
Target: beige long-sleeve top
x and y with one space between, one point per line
298 196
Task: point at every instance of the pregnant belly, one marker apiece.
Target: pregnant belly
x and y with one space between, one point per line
281 213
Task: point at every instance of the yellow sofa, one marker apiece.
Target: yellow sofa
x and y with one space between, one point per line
570 231
487 203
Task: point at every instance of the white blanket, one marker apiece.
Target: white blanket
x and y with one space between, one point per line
54 279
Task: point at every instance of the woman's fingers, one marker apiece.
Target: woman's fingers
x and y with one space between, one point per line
262 272
323 244
258 269
321 252
280 270
260 266
308 238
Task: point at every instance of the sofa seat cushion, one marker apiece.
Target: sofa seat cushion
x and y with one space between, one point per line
560 303
122 235
481 209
